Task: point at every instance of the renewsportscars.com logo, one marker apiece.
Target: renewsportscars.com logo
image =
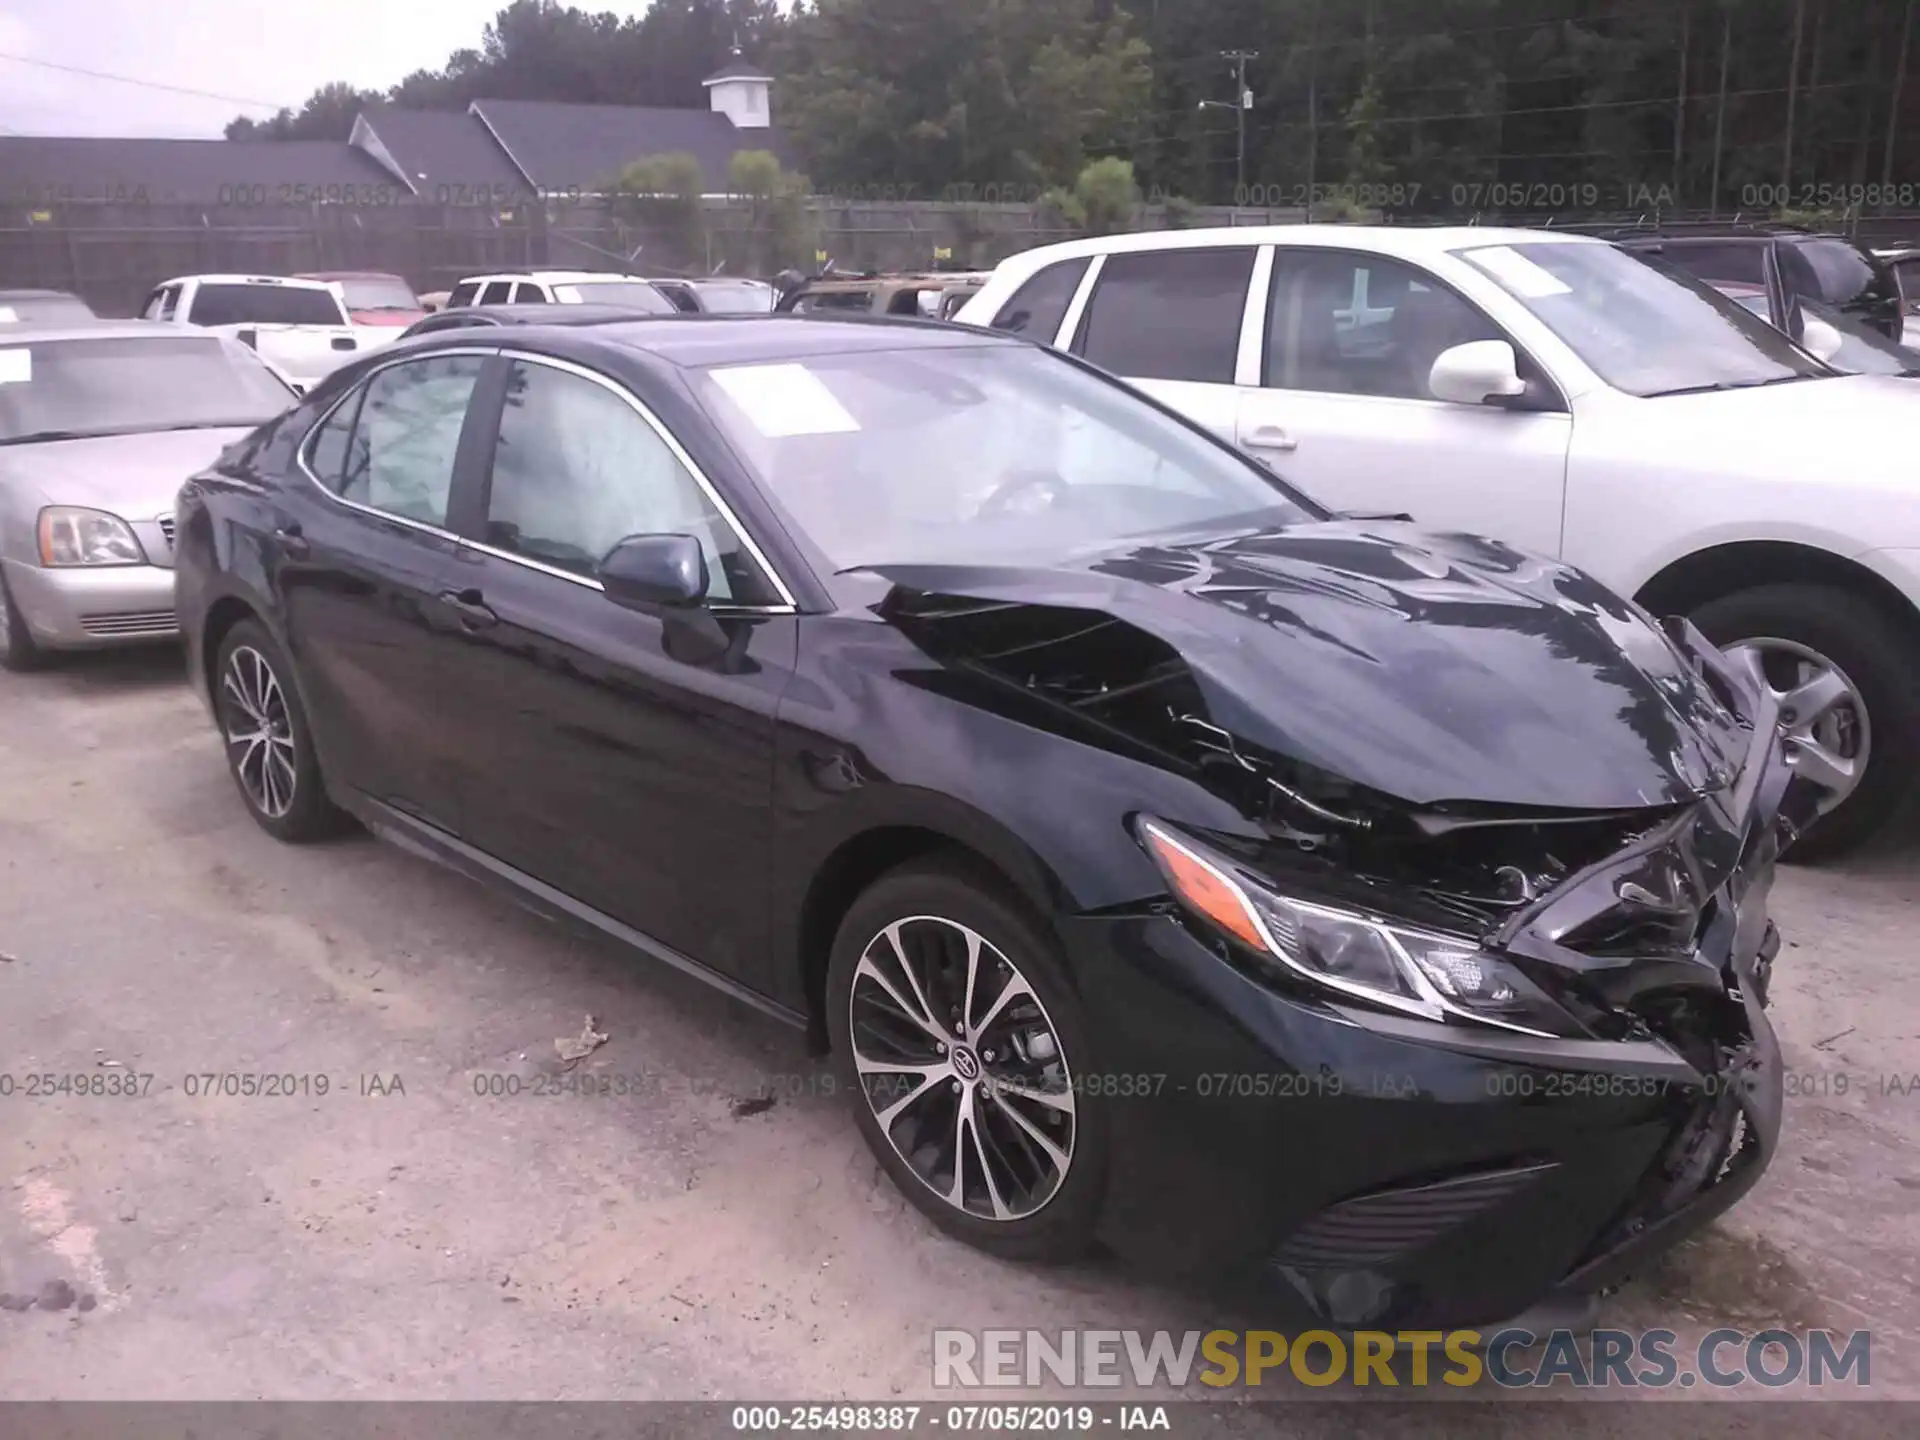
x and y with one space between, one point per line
1510 1359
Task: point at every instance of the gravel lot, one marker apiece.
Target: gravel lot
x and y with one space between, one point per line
685 1241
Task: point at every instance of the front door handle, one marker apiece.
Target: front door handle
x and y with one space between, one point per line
471 607
1269 437
292 543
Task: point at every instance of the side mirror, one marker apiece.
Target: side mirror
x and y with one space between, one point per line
652 572
1474 373
1820 339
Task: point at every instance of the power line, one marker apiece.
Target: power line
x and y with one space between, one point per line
143 84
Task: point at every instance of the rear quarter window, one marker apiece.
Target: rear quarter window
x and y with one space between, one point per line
1038 307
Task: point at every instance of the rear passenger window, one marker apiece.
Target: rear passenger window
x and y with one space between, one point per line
528 292
1038 307
496 292
392 446
1169 314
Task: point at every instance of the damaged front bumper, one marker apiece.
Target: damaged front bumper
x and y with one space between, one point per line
1370 1170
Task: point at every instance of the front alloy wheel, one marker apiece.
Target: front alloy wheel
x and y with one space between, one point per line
1824 718
962 1068
958 1033
1842 665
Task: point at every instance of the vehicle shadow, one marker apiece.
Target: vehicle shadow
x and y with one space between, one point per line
113 672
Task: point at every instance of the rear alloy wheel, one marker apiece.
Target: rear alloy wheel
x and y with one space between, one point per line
1849 701
18 652
957 1035
268 743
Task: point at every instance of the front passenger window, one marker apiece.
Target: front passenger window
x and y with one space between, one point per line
1351 323
576 470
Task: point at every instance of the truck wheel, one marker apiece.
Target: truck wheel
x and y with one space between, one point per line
1849 686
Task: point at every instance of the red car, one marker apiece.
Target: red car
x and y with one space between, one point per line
374 298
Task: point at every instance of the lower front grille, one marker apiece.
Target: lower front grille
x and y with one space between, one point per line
134 622
1376 1229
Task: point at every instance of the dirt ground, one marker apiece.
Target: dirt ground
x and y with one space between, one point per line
403 1236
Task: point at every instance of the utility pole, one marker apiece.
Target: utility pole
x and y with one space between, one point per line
1242 102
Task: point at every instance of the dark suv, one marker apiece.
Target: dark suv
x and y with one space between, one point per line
1791 265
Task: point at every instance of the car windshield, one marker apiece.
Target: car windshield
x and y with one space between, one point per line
379 292
979 455
633 294
735 298
64 389
22 308
1640 328
224 303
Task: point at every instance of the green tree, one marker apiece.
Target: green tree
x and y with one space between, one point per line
664 192
962 100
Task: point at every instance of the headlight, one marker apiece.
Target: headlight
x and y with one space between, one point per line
72 536
1400 967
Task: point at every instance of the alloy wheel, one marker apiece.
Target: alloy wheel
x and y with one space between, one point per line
962 1068
1829 737
259 732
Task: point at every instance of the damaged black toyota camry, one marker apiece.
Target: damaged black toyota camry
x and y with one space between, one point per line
1374 917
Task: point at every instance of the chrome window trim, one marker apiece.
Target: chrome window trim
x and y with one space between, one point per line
788 605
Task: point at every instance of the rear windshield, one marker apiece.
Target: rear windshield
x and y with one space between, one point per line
379 292
230 304
632 294
64 389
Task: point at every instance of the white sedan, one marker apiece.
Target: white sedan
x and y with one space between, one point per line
1554 392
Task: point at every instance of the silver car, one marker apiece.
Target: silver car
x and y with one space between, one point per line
100 422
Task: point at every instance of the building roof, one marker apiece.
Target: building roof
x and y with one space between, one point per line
446 156
736 69
559 146
37 168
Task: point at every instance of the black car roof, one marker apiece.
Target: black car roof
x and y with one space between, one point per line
696 341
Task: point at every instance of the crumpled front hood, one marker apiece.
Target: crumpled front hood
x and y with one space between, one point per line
1432 668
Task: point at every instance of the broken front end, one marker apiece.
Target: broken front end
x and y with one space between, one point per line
1463 1055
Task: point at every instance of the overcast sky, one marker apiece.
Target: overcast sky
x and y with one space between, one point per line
275 51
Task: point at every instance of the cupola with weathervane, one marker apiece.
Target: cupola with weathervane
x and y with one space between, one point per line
742 93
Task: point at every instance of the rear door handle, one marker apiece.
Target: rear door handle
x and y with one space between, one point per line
1269 437
471 607
292 543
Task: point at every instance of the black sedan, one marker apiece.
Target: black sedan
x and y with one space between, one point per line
1376 916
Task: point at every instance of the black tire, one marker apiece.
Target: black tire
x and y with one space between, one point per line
1858 636
1061 1227
307 813
18 650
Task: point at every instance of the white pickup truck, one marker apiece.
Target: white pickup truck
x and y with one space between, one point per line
297 326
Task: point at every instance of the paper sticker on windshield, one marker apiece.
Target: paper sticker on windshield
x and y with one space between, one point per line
1518 273
783 400
7 317
16 367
